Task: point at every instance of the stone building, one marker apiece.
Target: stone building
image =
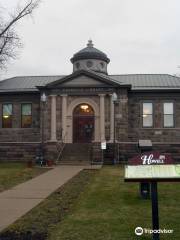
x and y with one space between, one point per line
68 116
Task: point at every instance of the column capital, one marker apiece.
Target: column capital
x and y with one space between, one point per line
52 95
102 95
63 95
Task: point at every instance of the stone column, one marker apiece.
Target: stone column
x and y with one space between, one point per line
111 118
64 117
53 118
102 118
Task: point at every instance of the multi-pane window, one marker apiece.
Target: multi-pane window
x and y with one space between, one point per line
168 110
26 115
7 110
147 114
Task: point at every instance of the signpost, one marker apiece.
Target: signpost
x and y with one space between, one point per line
155 210
152 167
103 147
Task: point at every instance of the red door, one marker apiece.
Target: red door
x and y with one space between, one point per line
83 123
83 129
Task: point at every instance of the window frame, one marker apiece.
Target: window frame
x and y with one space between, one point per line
169 114
30 103
2 119
142 113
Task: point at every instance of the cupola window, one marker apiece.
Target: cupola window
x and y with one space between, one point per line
77 65
89 64
102 65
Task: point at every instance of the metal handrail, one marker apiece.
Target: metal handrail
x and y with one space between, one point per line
92 155
62 148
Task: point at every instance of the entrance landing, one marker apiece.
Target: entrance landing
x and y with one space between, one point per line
16 202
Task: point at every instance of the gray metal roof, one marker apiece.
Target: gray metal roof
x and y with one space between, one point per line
26 83
149 81
138 82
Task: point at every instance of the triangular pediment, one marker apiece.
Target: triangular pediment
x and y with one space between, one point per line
83 79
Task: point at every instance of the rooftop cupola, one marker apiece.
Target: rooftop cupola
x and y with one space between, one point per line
90 58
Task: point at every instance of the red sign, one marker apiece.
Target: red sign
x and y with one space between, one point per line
151 158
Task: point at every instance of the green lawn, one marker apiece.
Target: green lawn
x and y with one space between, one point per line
36 224
12 174
110 209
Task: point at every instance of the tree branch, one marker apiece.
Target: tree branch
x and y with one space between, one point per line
9 40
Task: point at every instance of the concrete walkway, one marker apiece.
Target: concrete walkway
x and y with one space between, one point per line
17 201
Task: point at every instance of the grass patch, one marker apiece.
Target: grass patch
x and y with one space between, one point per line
12 174
110 209
98 206
51 211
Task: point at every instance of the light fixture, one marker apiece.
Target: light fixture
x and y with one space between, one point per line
84 107
6 116
114 97
43 97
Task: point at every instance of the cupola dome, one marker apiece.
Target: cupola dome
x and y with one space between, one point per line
90 58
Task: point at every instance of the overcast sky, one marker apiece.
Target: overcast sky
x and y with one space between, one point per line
139 36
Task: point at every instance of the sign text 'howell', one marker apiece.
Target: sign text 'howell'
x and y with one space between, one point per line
151 158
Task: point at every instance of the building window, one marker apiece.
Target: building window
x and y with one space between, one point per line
7 115
168 110
26 115
89 64
102 64
147 114
77 65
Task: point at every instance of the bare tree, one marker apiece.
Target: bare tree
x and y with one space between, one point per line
9 39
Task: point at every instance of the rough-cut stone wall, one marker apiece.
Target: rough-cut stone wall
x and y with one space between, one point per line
16 133
18 151
22 143
129 127
121 116
157 133
127 150
51 151
16 143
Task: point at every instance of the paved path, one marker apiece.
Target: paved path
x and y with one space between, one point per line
17 201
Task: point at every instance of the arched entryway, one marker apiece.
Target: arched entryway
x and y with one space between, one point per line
83 123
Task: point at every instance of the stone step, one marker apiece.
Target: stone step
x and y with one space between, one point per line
74 160
76 153
73 163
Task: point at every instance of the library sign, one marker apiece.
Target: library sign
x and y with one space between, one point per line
149 158
152 167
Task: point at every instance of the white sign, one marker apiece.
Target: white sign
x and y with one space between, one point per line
152 171
103 145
